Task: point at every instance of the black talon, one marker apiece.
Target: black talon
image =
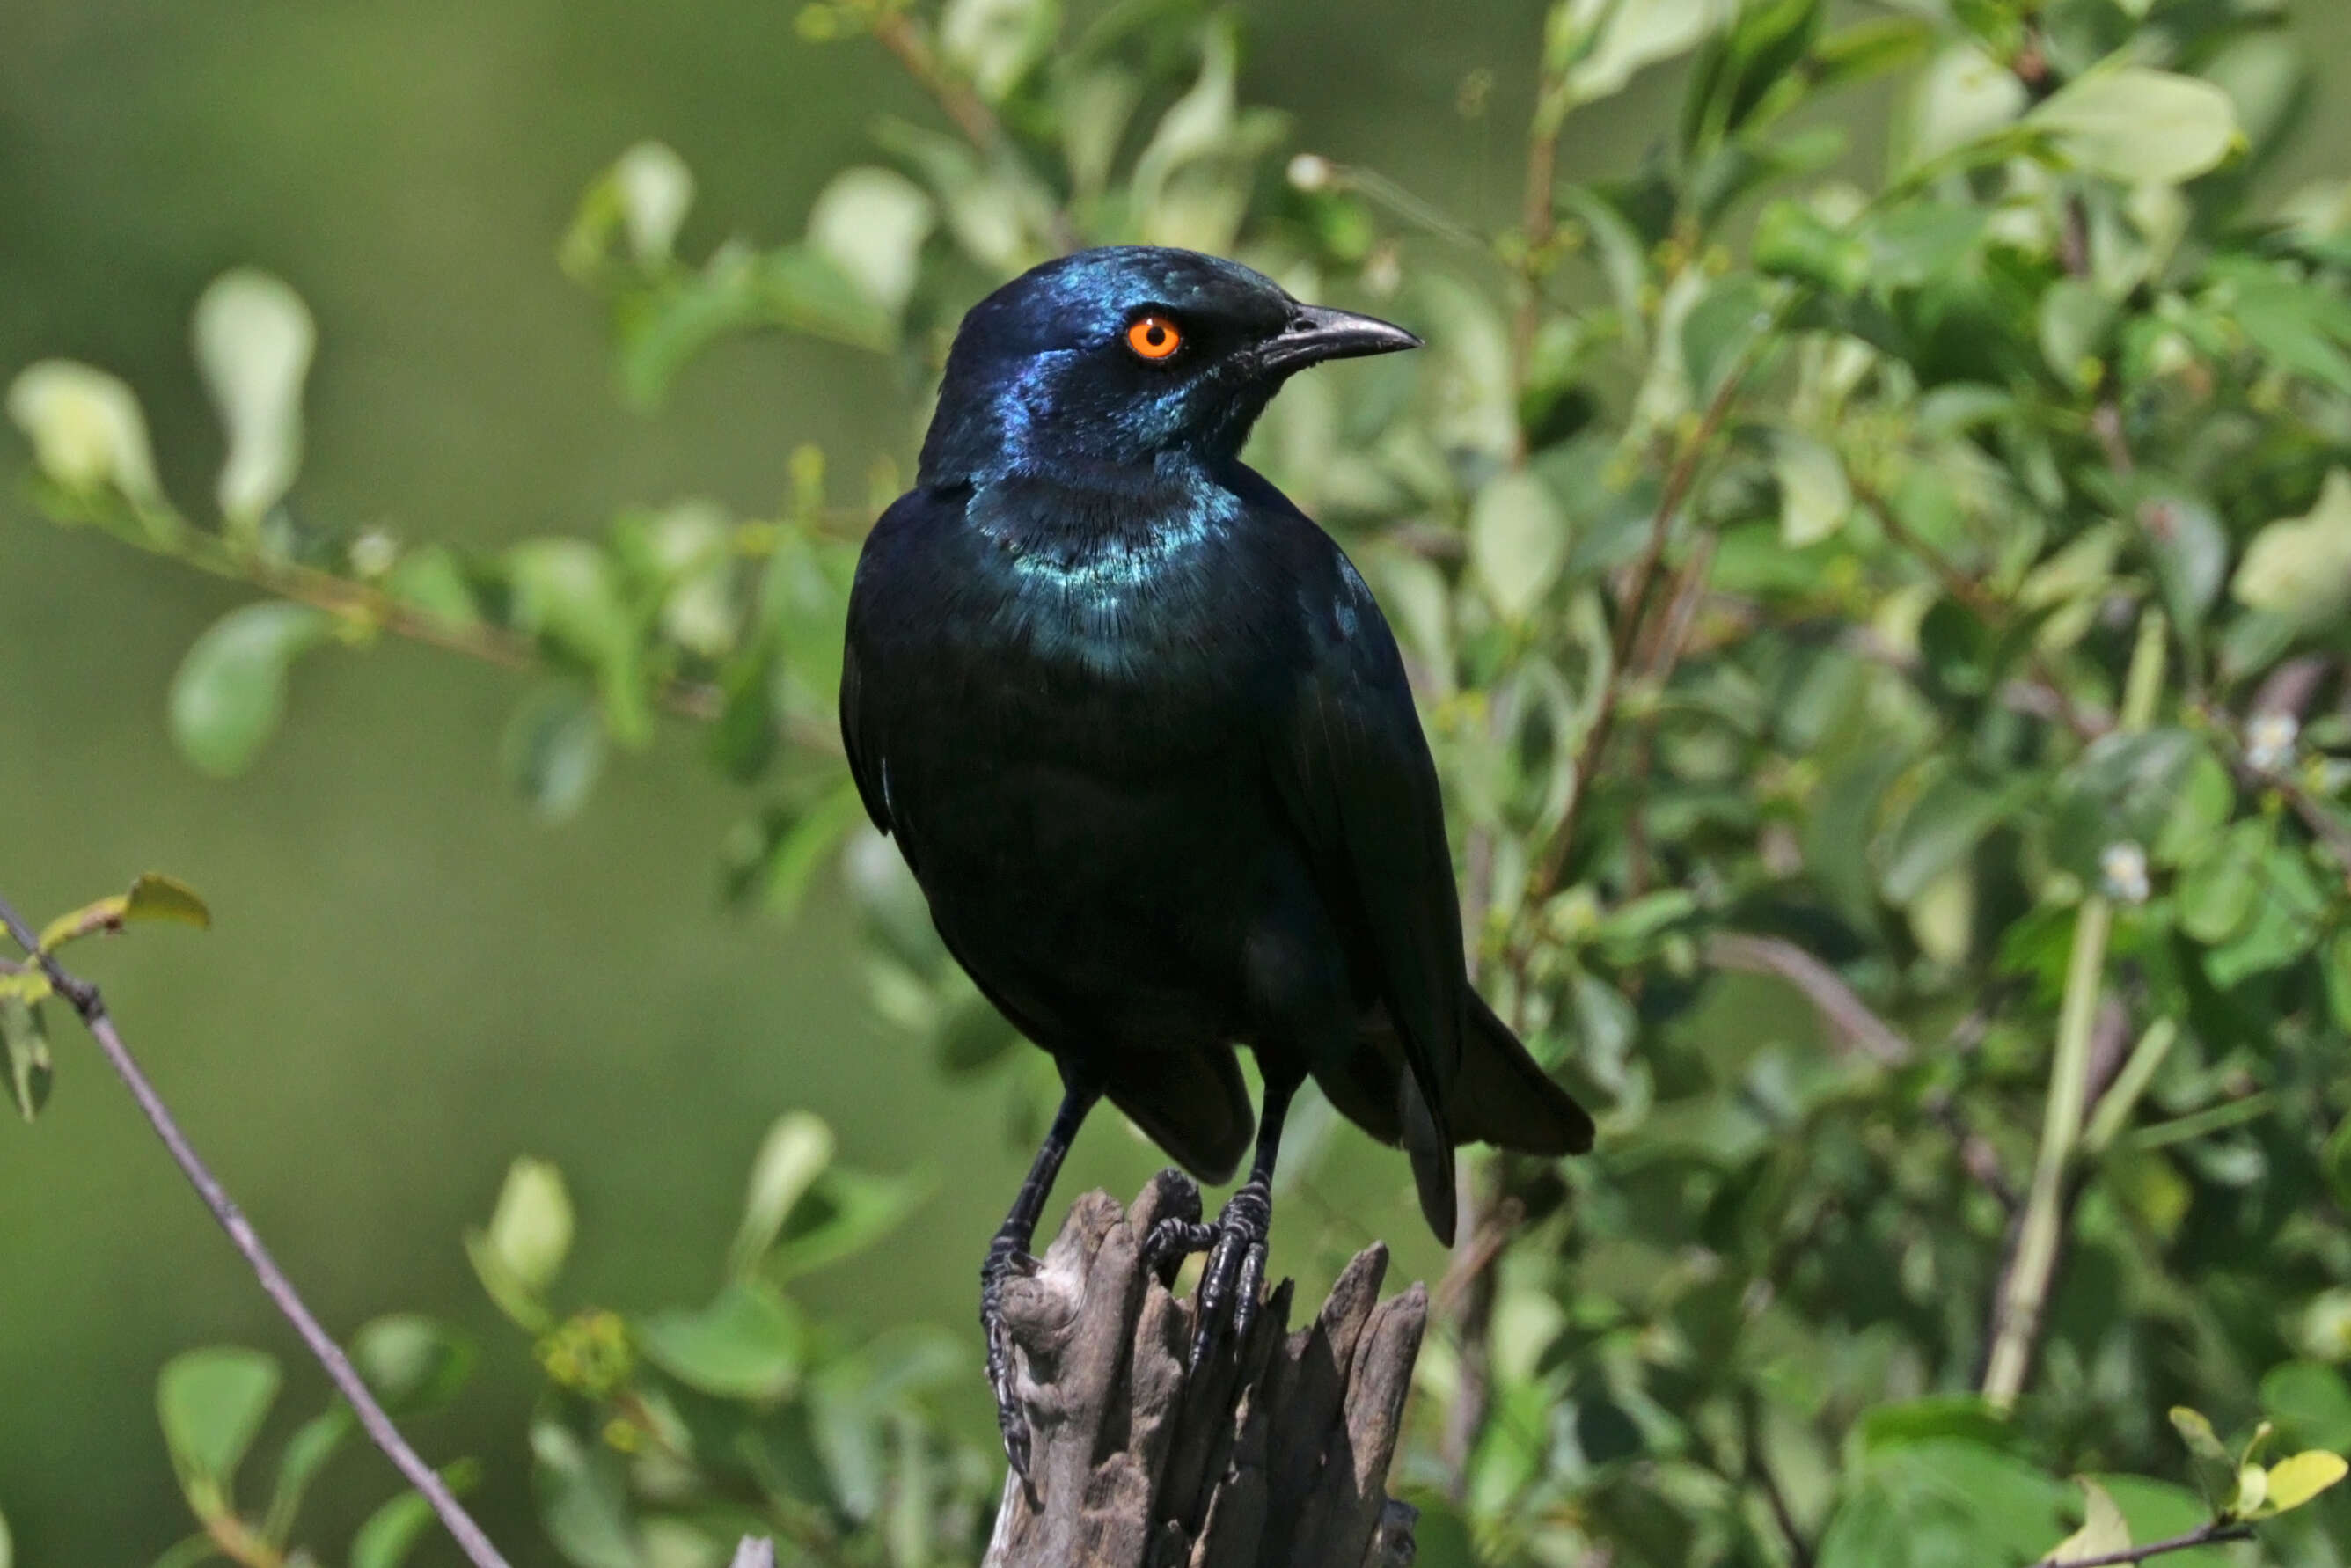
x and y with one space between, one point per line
1231 1284
1008 1255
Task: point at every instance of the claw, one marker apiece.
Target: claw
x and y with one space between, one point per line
1235 1274
1007 1258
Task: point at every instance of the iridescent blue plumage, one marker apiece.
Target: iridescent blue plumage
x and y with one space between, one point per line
1146 740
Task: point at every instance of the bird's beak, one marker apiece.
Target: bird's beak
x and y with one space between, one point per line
1317 333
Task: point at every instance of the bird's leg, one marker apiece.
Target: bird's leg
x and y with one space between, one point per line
1008 1255
1236 1244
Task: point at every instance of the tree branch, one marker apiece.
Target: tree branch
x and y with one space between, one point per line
2212 1534
85 1000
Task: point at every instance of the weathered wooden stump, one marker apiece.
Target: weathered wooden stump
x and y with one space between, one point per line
1275 1456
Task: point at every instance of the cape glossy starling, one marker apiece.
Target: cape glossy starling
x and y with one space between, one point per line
1146 740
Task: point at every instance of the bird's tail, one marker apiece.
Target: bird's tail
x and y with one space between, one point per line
1501 1096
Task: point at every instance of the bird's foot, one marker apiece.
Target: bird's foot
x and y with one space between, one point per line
1007 1258
1234 1280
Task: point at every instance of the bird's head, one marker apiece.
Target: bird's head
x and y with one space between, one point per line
1117 358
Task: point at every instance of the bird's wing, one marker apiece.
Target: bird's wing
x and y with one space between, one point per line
1354 773
864 760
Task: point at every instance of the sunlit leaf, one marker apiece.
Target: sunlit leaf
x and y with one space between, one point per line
749 1344
254 339
2292 1482
2136 124
796 1151
2104 1530
2300 568
871 223
1518 541
85 429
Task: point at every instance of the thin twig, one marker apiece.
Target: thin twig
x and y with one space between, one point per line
1642 583
85 1000
2213 1534
897 33
2025 1283
1849 1018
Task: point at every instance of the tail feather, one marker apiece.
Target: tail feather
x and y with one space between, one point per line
1501 1096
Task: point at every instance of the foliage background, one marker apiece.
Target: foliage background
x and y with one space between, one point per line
413 981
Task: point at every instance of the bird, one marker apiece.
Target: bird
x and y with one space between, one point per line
1146 743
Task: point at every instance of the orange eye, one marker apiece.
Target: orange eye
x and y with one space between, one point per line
1154 337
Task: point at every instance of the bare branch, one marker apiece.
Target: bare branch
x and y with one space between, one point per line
86 1001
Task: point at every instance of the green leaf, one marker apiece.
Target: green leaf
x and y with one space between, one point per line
254 339
1815 494
2295 1482
2158 1511
87 432
1719 329
2104 1530
212 1403
392 1532
1608 40
229 692
26 1040
2215 1467
567 593
748 1343
2191 554
1518 541
2284 923
412 1363
306 1452
2216 895
1941 828
2138 125
431 579
644 196
844 1212
154 897
796 288
552 750
583 1501
2076 321
996 42
796 1151
1791 241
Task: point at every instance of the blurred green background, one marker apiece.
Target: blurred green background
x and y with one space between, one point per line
410 981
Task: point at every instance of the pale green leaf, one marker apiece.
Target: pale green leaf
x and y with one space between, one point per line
530 1229
25 1042
1518 541
86 428
1615 39
154 897
1814 494
654 189
253 339
2300 568
796 1151
2104 1530
994 42
553 749
2139 125
871 223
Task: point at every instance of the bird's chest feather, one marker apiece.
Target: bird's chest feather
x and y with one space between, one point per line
1121 643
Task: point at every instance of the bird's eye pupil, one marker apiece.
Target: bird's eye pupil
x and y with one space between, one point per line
1154 337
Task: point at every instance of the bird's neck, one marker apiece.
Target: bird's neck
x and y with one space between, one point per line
1083 517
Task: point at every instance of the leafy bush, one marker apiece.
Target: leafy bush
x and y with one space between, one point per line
1881 621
